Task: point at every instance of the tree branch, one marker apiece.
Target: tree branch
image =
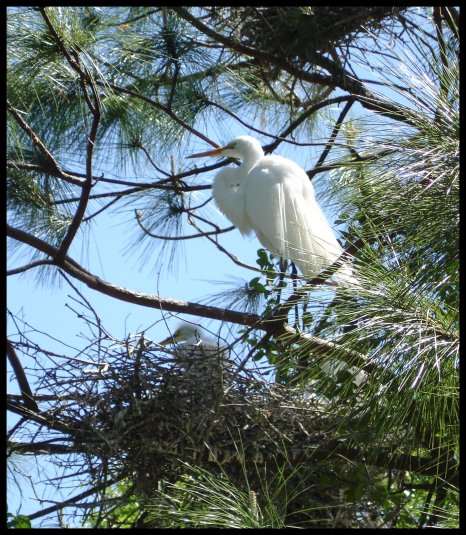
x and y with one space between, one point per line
41 169
86 189
334 133
55 168
74 500
152 301
200 234
159 106
340 78
41 448
31 265
275 326
26 392
309 111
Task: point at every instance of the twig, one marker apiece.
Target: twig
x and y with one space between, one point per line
74 499
223 250
31 265
309 111
334 133
177 238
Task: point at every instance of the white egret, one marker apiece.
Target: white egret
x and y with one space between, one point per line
185 333
273 196
201 372
193 347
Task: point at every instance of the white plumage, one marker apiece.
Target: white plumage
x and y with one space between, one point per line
192 348
274 197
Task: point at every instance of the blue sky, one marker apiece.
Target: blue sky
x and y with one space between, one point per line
47 309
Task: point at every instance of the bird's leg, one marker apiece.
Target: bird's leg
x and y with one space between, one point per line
294 278
283 264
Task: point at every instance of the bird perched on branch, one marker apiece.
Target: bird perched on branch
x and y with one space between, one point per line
274 197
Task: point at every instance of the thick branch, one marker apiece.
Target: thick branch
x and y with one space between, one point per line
387 459
42 448
57 172
42 419
139 298
275 327
24 387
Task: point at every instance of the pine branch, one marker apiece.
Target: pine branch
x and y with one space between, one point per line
67 177
339 78
161 107
334 133
55 168
86 190
152 301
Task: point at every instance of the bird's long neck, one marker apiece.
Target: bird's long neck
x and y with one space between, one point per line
251 157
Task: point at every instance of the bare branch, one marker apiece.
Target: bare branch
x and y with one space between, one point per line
25 389
299 120
334 133
201 234
31 265
152 301
74 501
225 251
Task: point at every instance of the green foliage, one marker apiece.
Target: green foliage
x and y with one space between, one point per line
406 218
161 85
126 511
211 499
18 521
205 500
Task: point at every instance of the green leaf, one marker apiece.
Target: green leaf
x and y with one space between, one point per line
18 522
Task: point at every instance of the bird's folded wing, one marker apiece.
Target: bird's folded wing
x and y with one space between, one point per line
229 196
288 221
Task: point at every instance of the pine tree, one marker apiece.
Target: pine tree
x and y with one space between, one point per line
345 401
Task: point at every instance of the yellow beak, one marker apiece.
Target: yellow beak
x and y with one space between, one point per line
167 341
214 152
